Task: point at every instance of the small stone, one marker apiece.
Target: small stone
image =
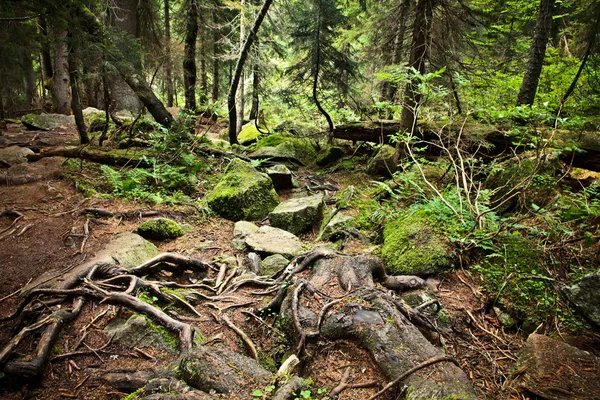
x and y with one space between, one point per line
298 215
160 229
505 319
274 241
272 264
585 296
281 176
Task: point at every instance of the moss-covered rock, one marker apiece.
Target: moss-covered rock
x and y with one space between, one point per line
160 229
329 156
272 264
269 240
412 247
281 176
382 163
520 181
249 134
243 193
46 122
298 215
140 331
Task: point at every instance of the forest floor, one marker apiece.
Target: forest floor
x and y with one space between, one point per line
51 237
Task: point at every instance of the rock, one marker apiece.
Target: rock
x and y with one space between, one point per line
339 221
281 152
329 156
138 331
223 371
585 297
272 264
219 144
249 134
90 112
412 247
554 370
126 249
281 176
160 229
298 215
46 122
243 193
382 163
505 318
15 155
244 228
274 241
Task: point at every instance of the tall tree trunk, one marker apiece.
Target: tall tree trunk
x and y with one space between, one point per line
255 88
419 51
239 96
315 85
76 106
392 88
189 56
168 61
215 67
239 67
61 96
143 91
28 77
45 56
203 72
537 52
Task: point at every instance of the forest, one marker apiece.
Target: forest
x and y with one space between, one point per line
300 199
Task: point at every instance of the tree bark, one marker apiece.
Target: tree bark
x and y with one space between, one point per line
239 68
239 96
168 61
390 89
189 56
215 66
537 52
143 91
255 85
419 51
61 101
316 79
28 77
76 98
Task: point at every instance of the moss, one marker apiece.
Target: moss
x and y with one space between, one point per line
160 229
301 148
249 134
170 339
412 247
134 395
97 123
329 156
243 193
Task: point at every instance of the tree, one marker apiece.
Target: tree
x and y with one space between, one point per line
537 52
239 67
189 58
168 57
321 64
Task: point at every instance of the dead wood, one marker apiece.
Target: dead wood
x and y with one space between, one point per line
96 154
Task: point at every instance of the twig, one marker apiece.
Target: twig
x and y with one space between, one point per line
411 371
86 234
243 336
82 382
482 328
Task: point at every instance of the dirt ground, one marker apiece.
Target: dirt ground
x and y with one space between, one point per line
50 236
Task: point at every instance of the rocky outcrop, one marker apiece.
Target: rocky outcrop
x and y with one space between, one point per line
298 215
585 297
243 193
138 331
14 155
269 240
46 122
329 156
382 163
249 134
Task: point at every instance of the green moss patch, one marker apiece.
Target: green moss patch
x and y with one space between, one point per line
249 134
160 229
412 247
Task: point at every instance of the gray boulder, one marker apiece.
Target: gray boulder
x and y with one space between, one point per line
241 230
554 370
298 215
281 152
15 155
274 241
272 264
243 193
46 122
138 331
281 176
585 297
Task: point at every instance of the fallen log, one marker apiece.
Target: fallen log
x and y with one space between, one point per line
115 157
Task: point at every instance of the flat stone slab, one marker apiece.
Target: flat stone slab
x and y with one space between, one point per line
274 241
272 264
137 331
244 228
298 215
281 176
339 221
